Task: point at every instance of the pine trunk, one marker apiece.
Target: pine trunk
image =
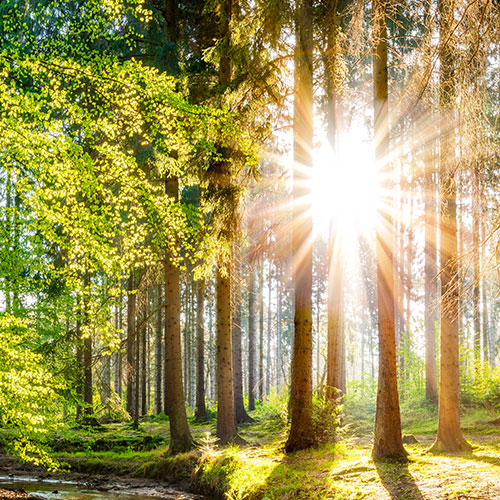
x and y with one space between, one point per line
387 441
158 356
201 411
252 336
449 435
430 285
180 435
301 430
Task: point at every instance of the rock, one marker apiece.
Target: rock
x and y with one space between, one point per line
16 495
410 439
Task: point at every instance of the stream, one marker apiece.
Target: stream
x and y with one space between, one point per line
53 489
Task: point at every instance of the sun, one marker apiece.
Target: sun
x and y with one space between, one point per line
345 187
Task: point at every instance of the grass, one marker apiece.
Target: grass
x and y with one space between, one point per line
262 471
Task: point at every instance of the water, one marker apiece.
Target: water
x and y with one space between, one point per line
53 489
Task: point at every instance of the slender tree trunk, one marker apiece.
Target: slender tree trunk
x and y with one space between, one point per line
226 418
279 311
201 411
144 357
236 330
137 361
180 435
449 435
252 335
301 429
335 334
261 332
87 357
430 286
269 319
158 356
131 306
79 371
476 279
387 441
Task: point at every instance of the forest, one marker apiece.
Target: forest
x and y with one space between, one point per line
249 249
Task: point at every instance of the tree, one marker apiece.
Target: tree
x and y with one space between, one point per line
449 435
387 441
201 411
301 429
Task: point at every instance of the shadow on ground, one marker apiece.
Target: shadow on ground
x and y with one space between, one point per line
398 480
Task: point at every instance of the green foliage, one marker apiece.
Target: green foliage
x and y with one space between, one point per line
326 417
482 388
28 393
359 405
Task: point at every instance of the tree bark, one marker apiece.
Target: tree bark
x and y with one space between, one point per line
269 320
180 435
226 419
261 332
387 440
158 356
301 430
131 306
201 411
236 330
430 285
252 336
449 435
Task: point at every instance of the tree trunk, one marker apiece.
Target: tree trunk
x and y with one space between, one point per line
449 435
131 306
430 285
144 358
476 278
79 371
201 412
252 335
335 334
239 407
158 356
301 430
226 419
387 441
269 319
279 306
261 332
180 435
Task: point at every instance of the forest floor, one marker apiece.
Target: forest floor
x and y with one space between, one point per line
262 471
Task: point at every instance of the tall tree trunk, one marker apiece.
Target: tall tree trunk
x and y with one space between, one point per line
201 411
137 361
144 357
335 334
236 330
158 350
476 277
269 320
79 370
301 430
261 331
387 441
449 435
87 357
279 312
180 435
131 306
252 335
430 286
226 416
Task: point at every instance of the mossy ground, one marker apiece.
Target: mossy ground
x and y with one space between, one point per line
262 471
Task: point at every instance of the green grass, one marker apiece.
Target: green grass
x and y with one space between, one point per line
262 471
